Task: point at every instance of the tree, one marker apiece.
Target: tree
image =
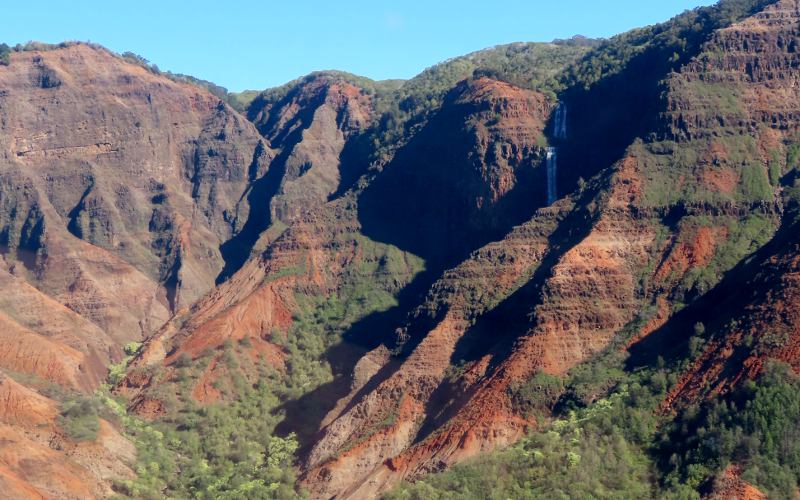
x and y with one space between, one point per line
5 54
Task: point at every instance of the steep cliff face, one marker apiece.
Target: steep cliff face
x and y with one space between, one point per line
756 326
745 84
112 175
615 260
323 254
475 170
507 122
312 127
321 258
564 298
393 405
117 188
308 125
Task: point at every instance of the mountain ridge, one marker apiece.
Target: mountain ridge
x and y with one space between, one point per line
370 275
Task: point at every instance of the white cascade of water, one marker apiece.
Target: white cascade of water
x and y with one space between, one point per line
552 171
560 128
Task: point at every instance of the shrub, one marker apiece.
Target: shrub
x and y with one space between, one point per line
537 395
79 418
131 348
183 361
5 54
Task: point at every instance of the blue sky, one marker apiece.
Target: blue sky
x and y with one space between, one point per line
244 44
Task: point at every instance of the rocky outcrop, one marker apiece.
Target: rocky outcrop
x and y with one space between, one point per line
751 327
391 407
309 127
749 67
124 196
322 254
559 302
745 79
115 171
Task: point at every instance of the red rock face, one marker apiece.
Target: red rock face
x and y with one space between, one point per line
317 257
548 310
257 302
37 461
754 60
760 324
117 187
369 429
551 293
309 128
148 171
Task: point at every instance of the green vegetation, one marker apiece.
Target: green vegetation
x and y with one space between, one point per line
534 66
116 371
217 451
670 40
240 101
793 156
404 107
755 182
676 172
757 428
538 395
80 418
741 237
213 88
620 446
587 455
5 50
5 54
594 451
231 449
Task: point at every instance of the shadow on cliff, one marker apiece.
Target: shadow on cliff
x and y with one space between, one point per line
432 226
432 200
424 199
238 249
304 416
603 121
497 331
605 117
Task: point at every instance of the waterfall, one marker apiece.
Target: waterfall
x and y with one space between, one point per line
552 170
559 133
560 128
